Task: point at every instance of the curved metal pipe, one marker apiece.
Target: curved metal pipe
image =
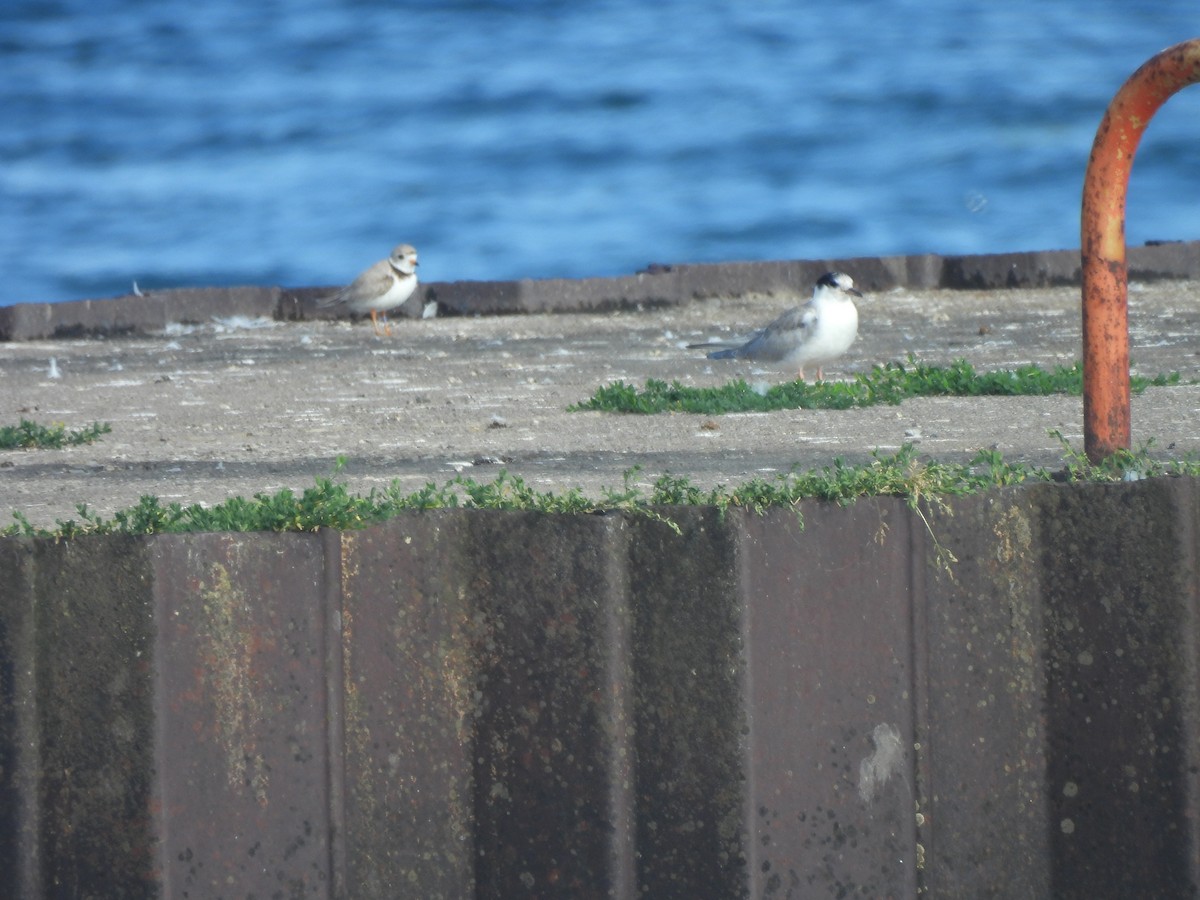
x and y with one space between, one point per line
1106 426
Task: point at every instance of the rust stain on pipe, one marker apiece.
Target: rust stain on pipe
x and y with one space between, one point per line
1106 426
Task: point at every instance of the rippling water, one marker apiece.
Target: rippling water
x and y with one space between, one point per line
228 142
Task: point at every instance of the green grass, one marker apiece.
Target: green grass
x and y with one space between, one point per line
891 383
32 436
329 504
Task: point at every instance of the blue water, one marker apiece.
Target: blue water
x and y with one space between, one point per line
230 142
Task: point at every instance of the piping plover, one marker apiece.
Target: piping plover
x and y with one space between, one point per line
384 286
816 333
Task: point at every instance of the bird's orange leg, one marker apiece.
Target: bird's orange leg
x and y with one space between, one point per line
375 324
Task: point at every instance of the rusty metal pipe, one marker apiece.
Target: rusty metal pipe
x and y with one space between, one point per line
1106 427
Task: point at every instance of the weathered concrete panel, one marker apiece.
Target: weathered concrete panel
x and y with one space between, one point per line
117 315
983 766
407 679
20 851
199 305
552 755
688 678
241 740
828 605
1118 567
1012 270
94 701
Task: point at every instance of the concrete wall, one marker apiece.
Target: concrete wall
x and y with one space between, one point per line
500 704
658 285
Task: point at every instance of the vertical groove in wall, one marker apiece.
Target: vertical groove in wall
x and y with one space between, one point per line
918 561
330 597
745 554
622 767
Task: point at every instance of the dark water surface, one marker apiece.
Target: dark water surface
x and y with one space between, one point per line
229 142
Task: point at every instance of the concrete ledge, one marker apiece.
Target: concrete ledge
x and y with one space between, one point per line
495 704
659 285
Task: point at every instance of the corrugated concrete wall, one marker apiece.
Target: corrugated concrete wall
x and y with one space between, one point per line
496 704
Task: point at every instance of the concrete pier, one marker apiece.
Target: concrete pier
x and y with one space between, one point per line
994 695
206 405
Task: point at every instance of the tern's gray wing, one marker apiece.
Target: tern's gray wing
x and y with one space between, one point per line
717 345
781 338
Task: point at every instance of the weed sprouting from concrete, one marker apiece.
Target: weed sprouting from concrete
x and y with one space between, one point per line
924 484
891 383
31 436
